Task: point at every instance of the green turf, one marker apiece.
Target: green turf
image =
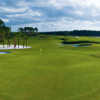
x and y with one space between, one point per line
50 71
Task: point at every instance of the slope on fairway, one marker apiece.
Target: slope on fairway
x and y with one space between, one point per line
48 71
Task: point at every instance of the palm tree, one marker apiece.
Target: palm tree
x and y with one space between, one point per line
4 32
21 30
2 24
20 33
23 34
28 30
15 42
23 39
2 35
18 36
36 29
7 35
26 40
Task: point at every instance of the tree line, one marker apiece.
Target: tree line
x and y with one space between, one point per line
74 33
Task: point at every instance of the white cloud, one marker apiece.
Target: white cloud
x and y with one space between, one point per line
75 3
28 14
12 9
63 25
5 20
83 15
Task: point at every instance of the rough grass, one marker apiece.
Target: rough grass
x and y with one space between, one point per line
49 71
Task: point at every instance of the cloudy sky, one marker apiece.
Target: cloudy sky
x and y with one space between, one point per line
51 15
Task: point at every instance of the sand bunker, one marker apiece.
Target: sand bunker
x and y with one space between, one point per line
5 47
5 52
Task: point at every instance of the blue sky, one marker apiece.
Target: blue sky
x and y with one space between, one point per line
51 15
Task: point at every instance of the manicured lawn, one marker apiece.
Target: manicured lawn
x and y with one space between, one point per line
49 71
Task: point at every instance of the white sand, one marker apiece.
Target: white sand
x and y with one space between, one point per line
12 47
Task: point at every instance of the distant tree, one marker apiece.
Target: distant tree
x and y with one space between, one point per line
4 32
36 29
7 35
26 39
18 37
25 32
21 34
21 30
2 35
29 30
2 24
15 41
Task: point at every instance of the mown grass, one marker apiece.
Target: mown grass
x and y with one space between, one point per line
49 71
